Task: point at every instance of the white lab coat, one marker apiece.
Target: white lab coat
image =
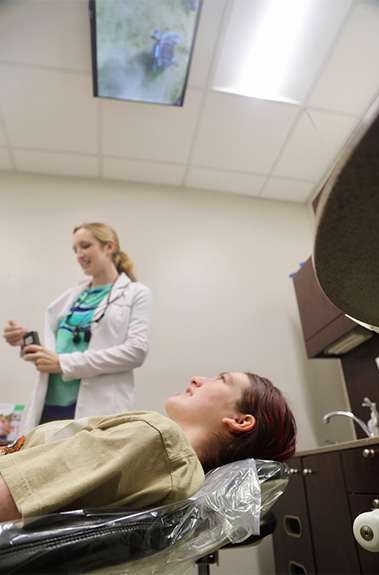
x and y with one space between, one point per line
119 343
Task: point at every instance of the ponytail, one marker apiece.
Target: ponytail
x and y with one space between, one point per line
123 263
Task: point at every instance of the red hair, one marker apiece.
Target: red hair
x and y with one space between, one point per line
274 434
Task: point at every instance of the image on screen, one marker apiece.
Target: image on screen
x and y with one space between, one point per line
142 49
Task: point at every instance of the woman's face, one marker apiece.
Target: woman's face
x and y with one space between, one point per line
92 256
208 399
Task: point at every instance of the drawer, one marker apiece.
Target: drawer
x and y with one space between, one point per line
292 538
361 469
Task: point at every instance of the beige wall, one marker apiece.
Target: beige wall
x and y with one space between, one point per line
218 266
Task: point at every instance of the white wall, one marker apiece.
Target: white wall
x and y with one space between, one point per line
218 266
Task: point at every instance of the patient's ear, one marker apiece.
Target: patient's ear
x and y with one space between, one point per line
243 423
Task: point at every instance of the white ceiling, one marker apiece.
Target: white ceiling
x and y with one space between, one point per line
51 124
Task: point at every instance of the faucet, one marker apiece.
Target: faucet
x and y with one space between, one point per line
331 414
373 422
371 429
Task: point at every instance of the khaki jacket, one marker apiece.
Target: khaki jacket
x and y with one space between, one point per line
135 459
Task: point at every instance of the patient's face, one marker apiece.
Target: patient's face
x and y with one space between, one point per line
208 399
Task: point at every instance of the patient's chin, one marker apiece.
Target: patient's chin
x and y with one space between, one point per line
172 406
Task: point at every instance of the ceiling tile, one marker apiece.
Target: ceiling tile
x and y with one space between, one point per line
333 129
224 181
139 171
42 33
150 132
49 110
351 76
313 145
239 133
289 190
56 163
206 40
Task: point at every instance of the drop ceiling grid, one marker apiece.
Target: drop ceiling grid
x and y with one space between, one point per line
312 146
225 181
150 132
142 171
241 134
52 124
47 34
48 110
350 78
56 163
292 190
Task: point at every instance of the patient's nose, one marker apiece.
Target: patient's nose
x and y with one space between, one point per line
197 381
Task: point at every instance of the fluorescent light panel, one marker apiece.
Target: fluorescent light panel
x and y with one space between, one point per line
273 49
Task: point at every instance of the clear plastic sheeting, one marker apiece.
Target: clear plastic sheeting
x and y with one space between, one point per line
165 540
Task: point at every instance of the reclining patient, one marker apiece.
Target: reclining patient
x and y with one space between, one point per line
143 459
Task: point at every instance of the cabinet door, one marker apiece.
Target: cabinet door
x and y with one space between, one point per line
360 504
292 537
361 469
322 322
316 310
329 513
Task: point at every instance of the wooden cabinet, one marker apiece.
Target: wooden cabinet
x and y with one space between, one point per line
361 471
293 545
322 322
315 514
328 332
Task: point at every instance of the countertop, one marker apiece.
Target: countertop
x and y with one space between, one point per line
366 442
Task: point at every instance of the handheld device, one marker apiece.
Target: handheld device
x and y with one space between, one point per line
31 338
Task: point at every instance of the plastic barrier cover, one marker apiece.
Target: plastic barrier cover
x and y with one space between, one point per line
165 540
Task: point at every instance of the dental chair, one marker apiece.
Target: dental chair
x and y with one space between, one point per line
229 510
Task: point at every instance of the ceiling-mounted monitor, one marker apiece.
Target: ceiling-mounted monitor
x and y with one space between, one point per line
142 49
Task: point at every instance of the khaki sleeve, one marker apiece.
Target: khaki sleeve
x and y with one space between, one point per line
124 465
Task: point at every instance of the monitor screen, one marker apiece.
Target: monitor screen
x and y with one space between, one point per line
142 49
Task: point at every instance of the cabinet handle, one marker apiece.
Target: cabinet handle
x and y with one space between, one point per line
307 471
293 471
292 526
368 453
375 503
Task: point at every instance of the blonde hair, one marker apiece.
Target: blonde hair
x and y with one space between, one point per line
104 233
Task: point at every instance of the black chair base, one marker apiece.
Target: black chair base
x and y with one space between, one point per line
267 527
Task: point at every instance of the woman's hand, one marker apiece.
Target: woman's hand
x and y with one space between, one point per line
14 334
46 361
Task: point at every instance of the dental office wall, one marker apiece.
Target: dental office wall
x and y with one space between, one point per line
218 266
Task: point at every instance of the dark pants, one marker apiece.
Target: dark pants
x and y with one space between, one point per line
57 412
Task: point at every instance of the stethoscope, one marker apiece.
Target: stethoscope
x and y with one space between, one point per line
87 331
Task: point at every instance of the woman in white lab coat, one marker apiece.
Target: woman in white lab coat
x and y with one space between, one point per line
95 335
